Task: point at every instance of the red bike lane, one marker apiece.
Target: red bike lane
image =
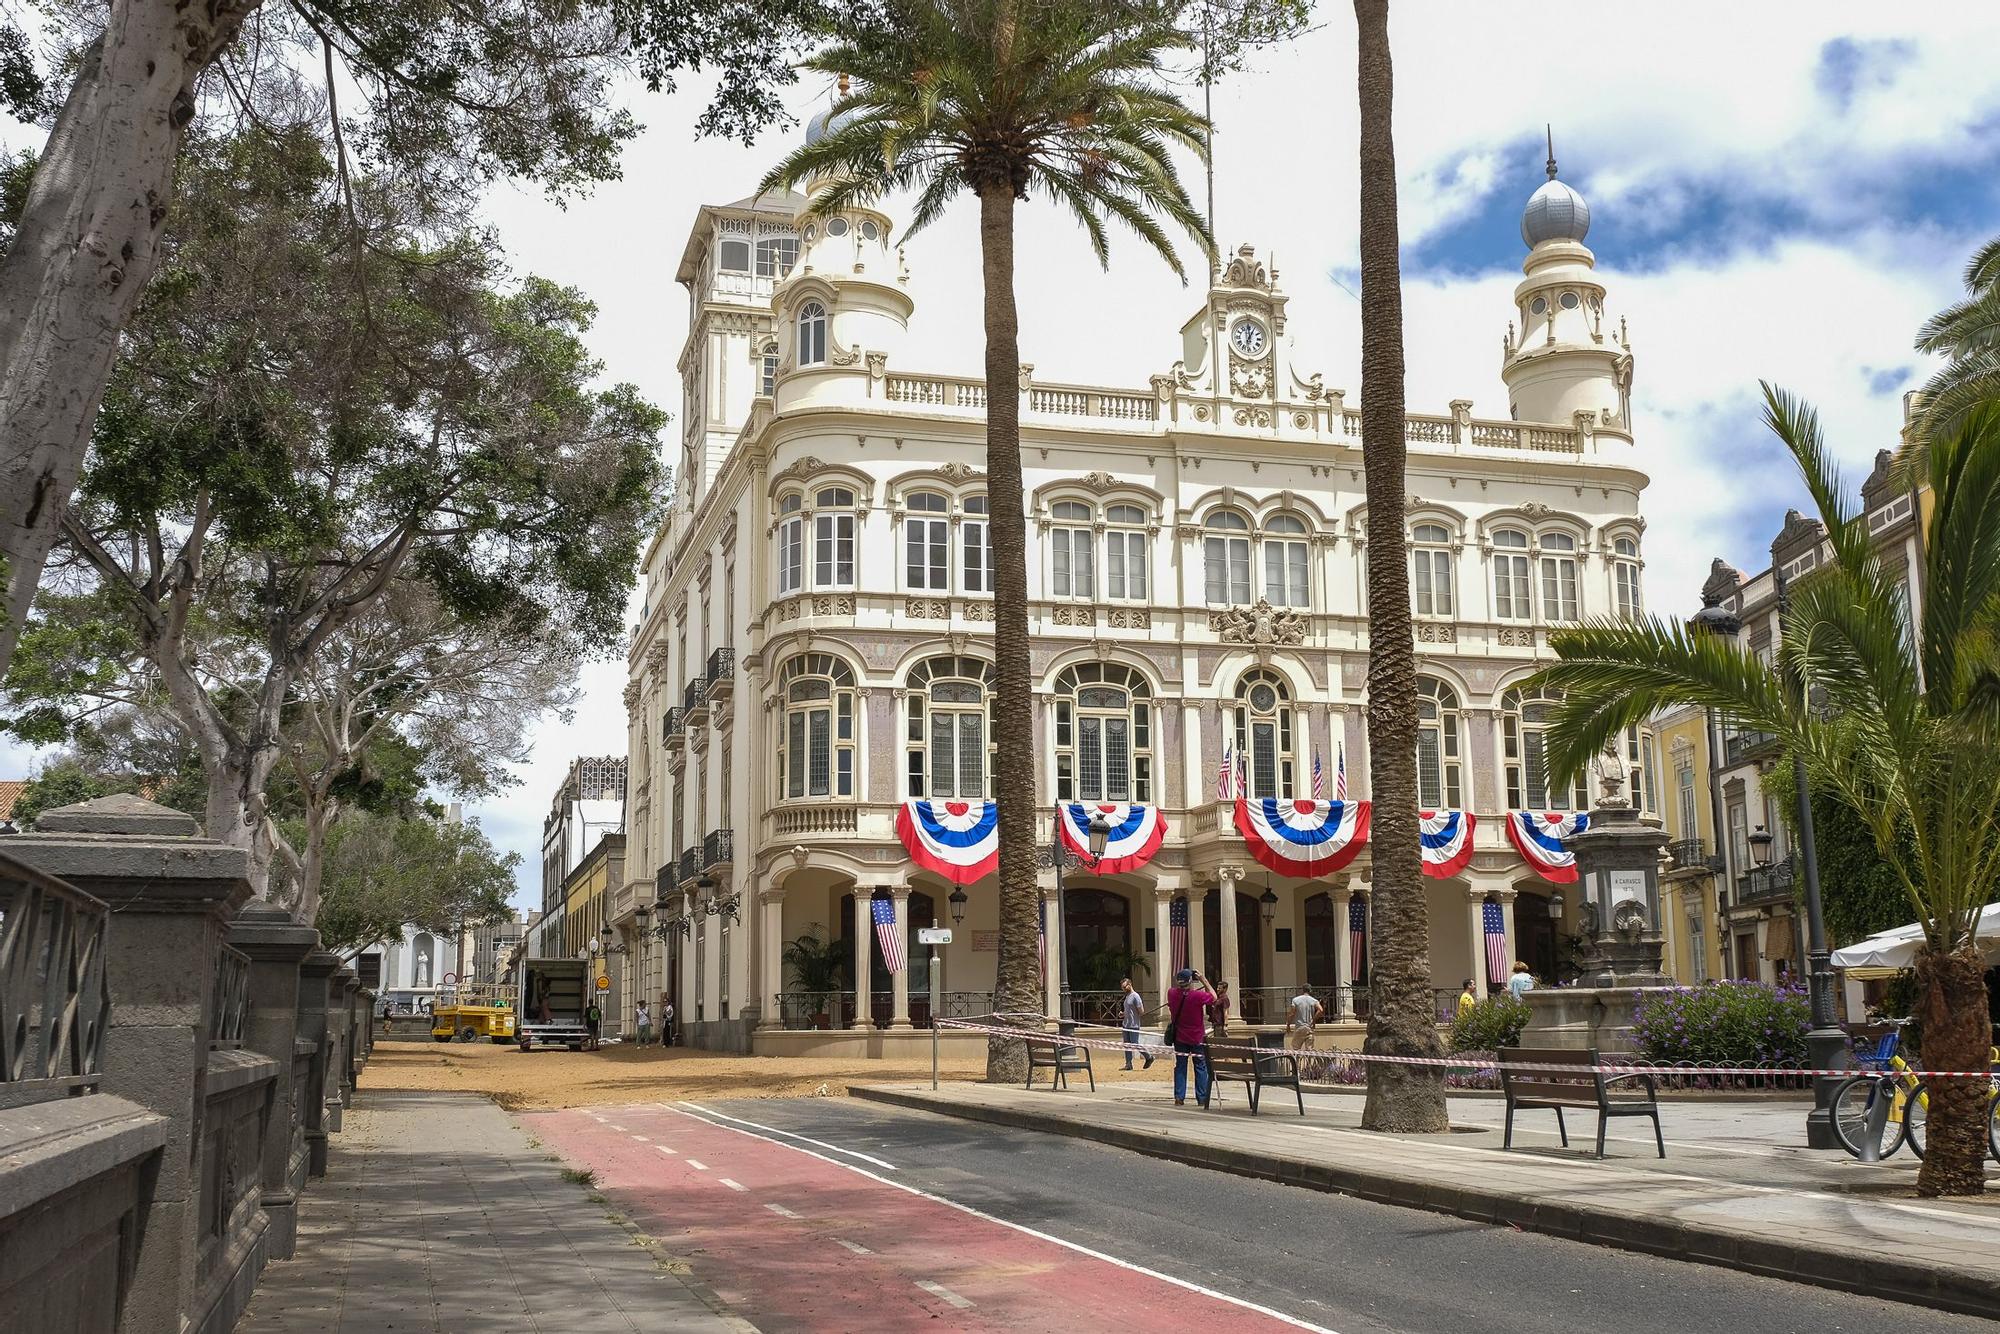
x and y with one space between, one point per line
793 1241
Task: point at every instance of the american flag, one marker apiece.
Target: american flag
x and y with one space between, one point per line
1222 774
1319 777
1357 939
886 934
1340 775
1496 943
1177 928
1242 774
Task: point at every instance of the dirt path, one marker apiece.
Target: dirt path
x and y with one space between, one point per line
551 1080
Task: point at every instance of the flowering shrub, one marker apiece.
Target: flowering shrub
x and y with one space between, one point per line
1490 1024
1727 1023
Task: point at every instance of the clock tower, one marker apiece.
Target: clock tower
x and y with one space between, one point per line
1234 347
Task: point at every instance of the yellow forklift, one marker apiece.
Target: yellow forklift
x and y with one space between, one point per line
469 1011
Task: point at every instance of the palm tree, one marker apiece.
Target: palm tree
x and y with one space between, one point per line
1001 100
1401 1021
1969 334
1906 738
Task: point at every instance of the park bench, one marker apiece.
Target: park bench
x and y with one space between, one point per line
1269 1066
1059 1058
1587 1088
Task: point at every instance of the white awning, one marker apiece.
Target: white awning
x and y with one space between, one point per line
1888 953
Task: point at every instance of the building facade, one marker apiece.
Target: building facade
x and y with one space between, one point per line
589 803
815 648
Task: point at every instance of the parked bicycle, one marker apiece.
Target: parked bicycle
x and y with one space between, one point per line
1885 1106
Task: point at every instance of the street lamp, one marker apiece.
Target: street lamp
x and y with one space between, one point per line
1760 847
957 899
1715 619
1269 899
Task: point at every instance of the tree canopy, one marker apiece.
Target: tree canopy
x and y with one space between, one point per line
385 872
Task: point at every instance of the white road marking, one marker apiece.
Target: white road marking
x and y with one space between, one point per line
781 1211
940 1291
733 1185
618 1128
697 1166
642 1139
804 1139
1022 1228
664 1149
854 1246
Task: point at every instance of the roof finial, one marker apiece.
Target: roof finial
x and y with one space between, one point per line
1550 131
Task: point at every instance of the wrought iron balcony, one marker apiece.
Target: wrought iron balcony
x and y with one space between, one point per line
690 864
1739 747
674 724
721 674
694 699
718 849
1766 884
1688 854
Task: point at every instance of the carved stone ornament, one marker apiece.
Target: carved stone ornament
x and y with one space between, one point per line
1098 481
1074 616
1258 624
1610 775
958 639
1128 618
878 365
1516 636
804 467
632 694
957 471
978 611
1436 632
1535 509
1250 379
927 609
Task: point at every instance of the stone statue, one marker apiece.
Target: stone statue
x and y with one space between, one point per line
1258 624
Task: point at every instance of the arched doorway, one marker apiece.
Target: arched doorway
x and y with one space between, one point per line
1249 950
1097 934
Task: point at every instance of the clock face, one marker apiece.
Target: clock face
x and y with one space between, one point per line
1249 338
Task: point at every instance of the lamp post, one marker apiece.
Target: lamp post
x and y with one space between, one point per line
1099 835
957 899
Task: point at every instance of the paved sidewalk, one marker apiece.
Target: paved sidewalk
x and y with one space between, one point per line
1732 1191
438 1213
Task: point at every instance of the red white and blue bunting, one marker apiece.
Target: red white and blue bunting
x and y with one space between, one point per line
1302 838
1543 840
1135 835
960 840
1446 838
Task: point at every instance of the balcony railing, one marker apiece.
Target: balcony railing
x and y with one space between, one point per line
816 819
690 866
1688 854
695 696
673 724
1740 746
54 1000
718 849
1766 884
721 673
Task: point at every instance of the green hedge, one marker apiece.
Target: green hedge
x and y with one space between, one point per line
1490 1024
1729 1023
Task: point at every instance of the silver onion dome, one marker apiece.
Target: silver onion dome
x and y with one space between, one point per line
825 123
1555 213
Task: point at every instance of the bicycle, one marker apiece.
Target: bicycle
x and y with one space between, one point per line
1885 1106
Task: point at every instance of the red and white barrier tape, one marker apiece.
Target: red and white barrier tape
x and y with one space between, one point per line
1151 1042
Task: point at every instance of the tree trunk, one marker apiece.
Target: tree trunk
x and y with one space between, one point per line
81 257
1401 1019
1956 1037
1018 991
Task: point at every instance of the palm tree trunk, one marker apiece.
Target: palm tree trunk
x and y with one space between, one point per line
1956 1037
1018 991
1401 1020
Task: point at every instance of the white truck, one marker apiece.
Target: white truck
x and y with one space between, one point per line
549 1011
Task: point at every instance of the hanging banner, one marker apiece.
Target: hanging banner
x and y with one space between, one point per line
1543 842
960 840
1136 833
1302 838
1446 838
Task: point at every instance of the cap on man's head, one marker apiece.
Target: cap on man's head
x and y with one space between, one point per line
1184 975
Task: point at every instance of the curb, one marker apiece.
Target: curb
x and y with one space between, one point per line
1847 1269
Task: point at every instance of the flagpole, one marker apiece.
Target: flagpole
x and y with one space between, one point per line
1065 1010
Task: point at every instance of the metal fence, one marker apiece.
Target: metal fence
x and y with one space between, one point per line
232 998
54 1000
1344 1068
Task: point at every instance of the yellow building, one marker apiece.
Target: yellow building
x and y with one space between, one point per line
587 907
1687 885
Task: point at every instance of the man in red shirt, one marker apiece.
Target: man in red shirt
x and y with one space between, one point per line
1187 1007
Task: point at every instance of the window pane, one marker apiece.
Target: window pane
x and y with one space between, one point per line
1296 563
971 757
1081 554
1062 575
823 550
1537 770
846 758
1117 760
820 758
914 562
845 707
1274 573
795 761
844 527
1114 566
1135 565
975 558
943 765
1215 576
1430 769
1264 761
1239 569
1090 754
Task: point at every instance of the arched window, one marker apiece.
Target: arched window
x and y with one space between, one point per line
1524 720
949 732
791 543
926 541
833 538
1104 734
1558 577
1625 578
978 568
817 755
1226 558
1264 734
1430 570
1125 552
812 334
1510 576
1439 750
1072 568
1285 562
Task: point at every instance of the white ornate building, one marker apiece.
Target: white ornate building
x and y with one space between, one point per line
815 644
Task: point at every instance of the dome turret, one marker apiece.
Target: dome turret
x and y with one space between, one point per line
1555 212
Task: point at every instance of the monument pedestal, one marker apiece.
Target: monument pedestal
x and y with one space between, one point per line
1580 1018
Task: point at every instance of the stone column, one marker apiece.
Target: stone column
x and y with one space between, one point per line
316 972
771 944
1232 963
899 981
1197 927
173 894
1052 949
864 927
1343 955
276 945
350 1071
1475 906
1163 936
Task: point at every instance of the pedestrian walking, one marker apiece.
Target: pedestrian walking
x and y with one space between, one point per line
1302 1020
593 1022
644 1020
1218 1012
666 1022
1467 999
1187 1005
1522 982
1133 1010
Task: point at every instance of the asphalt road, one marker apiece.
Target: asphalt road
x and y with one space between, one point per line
854 1253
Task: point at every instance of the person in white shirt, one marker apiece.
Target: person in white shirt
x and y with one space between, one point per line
1522 982
1303 1018
645 1018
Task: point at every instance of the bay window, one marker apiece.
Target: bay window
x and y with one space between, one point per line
1439 749
1104 734
816 756
833 538
1525 716
947 741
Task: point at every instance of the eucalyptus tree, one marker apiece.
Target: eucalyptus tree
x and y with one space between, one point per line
1004 100
1906 736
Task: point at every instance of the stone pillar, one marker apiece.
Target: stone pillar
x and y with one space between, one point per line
1197 927
1232 963
771 944
1343 955
864 927
899 981
344 1005
316 972
1475 898
276 945
1052 949
173 894
1163 936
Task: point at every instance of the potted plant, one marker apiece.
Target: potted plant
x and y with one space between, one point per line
816 963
